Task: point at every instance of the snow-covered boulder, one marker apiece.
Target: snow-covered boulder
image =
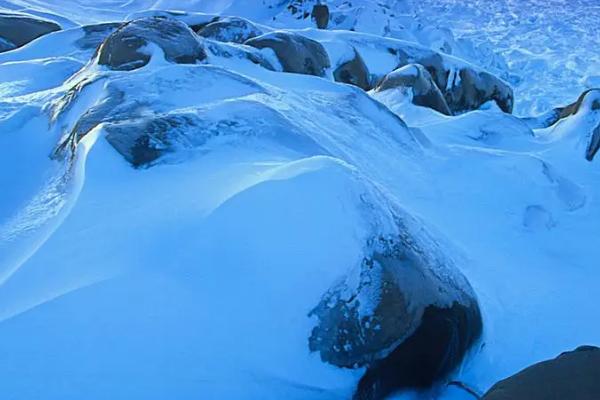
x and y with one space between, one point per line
230 29
424 91
354 72
218 52
553 116
296 53
127 48
195 20
573 375
17 30
142 129
465 87
404 312
580 120
468 89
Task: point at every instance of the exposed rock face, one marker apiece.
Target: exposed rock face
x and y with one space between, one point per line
17 30
124 50
573 375
230 29
429 354
354 72
469 89
463 87
425 92
405 314
296 53
320 14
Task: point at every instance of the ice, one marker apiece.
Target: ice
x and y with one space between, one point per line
193 274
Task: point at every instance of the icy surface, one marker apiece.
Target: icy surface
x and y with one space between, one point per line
193 275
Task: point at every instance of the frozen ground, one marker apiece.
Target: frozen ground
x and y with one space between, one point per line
196 275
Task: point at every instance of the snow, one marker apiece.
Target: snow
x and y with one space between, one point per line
195 274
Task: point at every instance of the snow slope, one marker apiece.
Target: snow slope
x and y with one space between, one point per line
194 275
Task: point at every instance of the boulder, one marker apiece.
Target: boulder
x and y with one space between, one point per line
124 49
574 108
424 90
195 20
230 29
470 89
574 375
581 116
354 72
405 313
296 53
465 88
17 30
553 116
320 14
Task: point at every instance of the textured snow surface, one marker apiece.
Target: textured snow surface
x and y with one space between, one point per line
193 276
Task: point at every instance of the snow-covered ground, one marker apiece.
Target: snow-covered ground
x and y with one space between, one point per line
549 45
194 275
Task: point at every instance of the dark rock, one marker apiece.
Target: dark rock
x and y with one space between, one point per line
142 141
464 88
354 72
425 91
474 88
296 53
573 375
230 29
123 49
17 30
594 144
320 14
406 314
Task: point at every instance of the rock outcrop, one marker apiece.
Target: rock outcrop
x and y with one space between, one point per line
424 90
354 72
230 29
127 48
17 30
296 53
465 88
406 314
574 375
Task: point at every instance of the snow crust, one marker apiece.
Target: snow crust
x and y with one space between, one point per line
194 276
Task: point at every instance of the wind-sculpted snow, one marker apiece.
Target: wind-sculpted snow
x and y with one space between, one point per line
234 204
